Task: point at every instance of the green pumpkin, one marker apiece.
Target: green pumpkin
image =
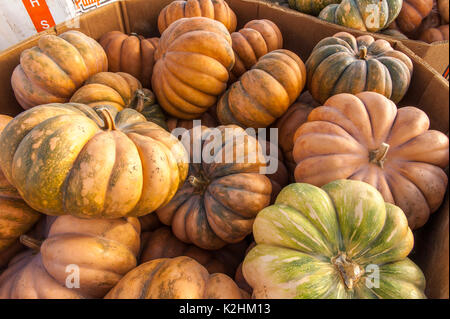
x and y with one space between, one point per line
332 242
364 15
312 7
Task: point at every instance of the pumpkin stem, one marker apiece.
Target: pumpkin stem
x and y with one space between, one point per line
378 156
30 242
200 183
141 98
107 118
350 272
363 52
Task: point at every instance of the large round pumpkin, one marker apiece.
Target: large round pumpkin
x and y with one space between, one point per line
364 137
213 9
312 7
223 193
435 34
161 243
364 15
175 278
120 90
132 54
255 39
443 9
99 251
194 58
54 69
412 14
263 93
72 159
336 242
345 64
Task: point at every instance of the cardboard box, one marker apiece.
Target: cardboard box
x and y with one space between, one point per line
428 91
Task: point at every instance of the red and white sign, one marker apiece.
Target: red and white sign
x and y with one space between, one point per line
39 13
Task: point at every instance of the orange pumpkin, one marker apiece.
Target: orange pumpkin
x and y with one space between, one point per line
207 119
213 9
364 137
443 10
239 276
194 58
132 54
435 34
257 38
412 14
54 69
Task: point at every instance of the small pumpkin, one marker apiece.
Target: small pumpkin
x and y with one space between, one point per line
263 93
218 202
443 10
213 9
435 34
412 14
364 137
239 276
364 15
91 163
345 64
206 119
161 243
194 58
331 242
175 278
54 69
311 7
132 54
120 90
254 40
104 250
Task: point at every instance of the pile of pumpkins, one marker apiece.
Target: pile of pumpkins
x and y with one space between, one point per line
424 20
110 204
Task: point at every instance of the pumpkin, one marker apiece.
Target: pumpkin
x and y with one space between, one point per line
345 64
207 119
412 14
443 10
364 15
132 54
120 90
194 58
16 217
104 250
311 7
54 69
223 193
72 159
336 242
175 278
254 40
435 34
149 223
263 93
161 243
239 276
213 9
364 137
397 34
280 177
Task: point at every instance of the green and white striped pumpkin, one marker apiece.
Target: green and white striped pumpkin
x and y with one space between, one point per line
338 241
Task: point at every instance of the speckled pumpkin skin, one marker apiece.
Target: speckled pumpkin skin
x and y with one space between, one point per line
365 137
364 15
54 69
218 202
311 7
52 157
340 64
323 243
213 9
104 251
175 278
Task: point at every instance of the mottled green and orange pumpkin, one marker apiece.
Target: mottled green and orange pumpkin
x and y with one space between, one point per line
91 163
336 242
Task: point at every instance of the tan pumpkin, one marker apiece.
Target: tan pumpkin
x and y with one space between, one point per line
254 40
54 69
120 90
16 217
194 58
364 137
412 14
265 92
222 195
175 278
161 243
435 34
103 250
132 54
443 10
213 9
